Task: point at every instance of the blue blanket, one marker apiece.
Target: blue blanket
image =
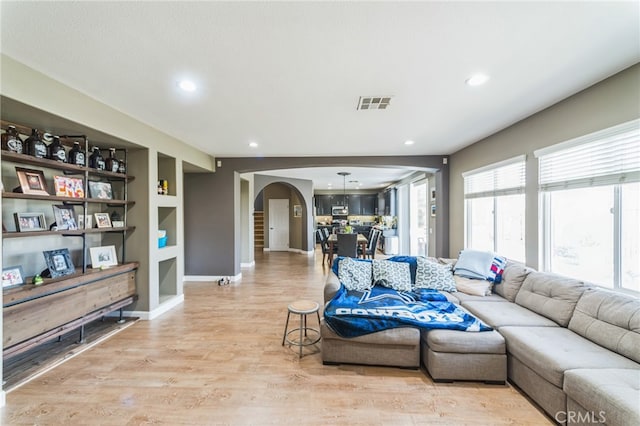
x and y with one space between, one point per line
355 313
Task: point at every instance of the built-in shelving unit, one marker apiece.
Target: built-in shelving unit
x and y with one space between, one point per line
34 313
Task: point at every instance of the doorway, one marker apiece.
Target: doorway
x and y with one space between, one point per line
278 224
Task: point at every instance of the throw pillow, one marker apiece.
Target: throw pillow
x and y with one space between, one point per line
355 275
473 287
434 276
395 275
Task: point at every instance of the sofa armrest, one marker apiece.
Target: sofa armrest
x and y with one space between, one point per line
331 286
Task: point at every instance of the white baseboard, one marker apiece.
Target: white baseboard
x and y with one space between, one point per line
308 253
212 278
3 398
164 307
248 265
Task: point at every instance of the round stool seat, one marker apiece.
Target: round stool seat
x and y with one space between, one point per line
303 307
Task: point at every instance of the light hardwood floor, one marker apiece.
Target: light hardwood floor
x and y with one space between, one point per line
218 359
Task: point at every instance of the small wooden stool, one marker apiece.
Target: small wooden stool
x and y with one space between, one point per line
302 308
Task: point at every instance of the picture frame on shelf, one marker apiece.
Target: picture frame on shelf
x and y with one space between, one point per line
432 191
59 262
30 222
12 276
103 220
32 181
65 217
433 210
85 221
68 186
100 190
102 257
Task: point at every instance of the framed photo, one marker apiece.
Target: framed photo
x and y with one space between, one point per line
12 276
101 190
433 210
32 181
432 191
297 210
59 262
65 217
27 222
103 256
68 186
103 220
85 221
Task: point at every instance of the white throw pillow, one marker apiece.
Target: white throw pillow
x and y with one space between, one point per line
395 275
355 275
434 275
473 287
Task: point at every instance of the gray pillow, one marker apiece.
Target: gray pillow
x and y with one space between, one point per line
434 276
395 275
355 275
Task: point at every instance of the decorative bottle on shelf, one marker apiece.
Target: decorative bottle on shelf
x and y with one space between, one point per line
11 141
76 155
122 167
96 160
35 146
56 150
113 165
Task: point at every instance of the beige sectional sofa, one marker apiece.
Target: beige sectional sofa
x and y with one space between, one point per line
573 348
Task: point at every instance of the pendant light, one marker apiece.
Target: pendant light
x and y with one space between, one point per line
344 191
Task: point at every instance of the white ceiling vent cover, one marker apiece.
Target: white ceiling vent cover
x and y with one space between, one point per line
374 102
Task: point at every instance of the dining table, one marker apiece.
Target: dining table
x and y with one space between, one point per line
333 240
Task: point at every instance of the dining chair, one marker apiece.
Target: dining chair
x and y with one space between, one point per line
324 245
348 245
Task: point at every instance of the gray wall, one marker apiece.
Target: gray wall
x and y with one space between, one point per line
212 203
610 102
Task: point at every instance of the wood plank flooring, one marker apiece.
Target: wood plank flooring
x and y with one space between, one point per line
217 360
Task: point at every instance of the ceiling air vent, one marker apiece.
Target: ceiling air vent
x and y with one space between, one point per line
374 102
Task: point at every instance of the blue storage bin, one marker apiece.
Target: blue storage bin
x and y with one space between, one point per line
162 242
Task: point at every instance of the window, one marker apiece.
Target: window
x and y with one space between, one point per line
495 208
590 199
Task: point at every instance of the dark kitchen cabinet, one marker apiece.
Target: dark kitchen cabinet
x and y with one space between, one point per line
369 204
353 203
390 202
324 204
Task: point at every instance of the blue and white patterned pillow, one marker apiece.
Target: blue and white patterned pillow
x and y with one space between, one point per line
395 275
355 275
434 276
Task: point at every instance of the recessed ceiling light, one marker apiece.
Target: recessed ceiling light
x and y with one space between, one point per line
477 80
409 142
187 85
253 144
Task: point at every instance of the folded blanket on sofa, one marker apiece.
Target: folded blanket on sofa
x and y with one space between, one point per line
356 313
480 265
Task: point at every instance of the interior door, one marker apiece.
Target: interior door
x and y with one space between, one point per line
278 224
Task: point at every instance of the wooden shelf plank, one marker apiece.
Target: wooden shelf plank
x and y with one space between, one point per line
21 196
66 232
70 168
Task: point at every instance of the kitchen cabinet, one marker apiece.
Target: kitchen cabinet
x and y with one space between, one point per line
323 205
353 203
369 204
390 202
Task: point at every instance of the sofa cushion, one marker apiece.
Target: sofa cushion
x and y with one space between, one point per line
501 314
512 279
609 319
355 275
434 276
463 342
464 297
613 395
550 351
391 274
551 295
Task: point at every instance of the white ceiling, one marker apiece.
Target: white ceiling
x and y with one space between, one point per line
288 75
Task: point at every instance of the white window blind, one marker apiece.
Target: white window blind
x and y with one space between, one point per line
607 157
503 178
